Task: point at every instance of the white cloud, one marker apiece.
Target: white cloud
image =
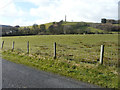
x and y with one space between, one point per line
22 21
55 10
9 9
9 13
78 10
4 3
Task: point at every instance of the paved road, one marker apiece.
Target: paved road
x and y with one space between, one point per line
20 76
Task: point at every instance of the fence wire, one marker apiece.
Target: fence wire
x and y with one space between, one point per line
81 49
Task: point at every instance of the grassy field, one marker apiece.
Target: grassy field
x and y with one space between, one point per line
77 56
86 28
80 48
101 75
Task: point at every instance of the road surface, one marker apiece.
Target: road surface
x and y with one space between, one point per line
20 76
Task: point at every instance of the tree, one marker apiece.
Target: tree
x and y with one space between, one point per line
103 20
42 28
53 22
51 29
14 30
35 29
35 26
17 26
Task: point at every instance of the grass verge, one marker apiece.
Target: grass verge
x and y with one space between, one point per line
101 75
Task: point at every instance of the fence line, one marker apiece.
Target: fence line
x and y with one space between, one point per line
83 59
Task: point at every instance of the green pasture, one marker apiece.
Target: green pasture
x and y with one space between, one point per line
77 56
79 48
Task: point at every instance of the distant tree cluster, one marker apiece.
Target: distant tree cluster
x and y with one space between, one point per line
56 28
107 27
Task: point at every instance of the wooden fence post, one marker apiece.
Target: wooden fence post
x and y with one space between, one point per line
28 47
13 46
101 54
55 50
2 45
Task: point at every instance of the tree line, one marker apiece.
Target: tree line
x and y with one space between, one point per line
61 28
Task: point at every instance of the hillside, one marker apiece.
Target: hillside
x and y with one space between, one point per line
62 27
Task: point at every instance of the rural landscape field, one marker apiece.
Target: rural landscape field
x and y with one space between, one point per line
80 48
77 55
60 43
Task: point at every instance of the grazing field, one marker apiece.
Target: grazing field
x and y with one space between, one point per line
78 48
77 56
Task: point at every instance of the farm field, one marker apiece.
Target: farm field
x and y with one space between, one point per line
77 56
78 48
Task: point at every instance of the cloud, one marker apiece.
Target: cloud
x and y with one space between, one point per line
119 10
9 13
10 10
22 21
78 10
55 10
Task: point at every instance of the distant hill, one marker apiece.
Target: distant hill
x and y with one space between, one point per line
5 26
62 28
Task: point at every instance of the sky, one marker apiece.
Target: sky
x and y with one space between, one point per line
29 12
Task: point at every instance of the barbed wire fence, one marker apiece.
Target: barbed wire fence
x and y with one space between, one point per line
81 53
